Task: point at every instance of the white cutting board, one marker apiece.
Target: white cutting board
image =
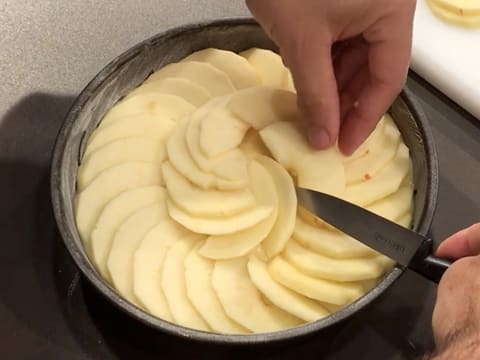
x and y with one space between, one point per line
448 57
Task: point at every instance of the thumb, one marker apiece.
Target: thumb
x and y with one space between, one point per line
312 70
466 242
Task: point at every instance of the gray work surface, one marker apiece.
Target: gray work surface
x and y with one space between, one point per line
49 50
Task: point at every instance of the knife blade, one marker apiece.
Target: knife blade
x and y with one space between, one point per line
403 245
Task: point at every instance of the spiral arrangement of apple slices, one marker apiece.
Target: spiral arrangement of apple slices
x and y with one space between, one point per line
186 201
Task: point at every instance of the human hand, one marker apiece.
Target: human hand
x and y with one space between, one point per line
348 59
456 317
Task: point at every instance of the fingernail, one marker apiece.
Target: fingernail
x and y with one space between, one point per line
318 138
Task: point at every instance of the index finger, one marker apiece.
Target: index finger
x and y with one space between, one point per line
464 243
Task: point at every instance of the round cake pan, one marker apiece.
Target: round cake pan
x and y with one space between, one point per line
128 71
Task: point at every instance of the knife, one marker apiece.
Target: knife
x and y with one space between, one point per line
405 246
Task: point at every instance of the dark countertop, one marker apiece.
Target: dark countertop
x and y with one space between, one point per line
47 311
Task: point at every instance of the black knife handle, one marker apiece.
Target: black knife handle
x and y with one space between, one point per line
427 265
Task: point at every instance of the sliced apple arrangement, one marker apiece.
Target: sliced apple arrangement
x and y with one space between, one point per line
186 199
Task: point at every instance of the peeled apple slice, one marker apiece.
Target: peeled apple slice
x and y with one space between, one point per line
282 230
181 160
184 88
108 184
241 242
252 144
394 206
320 170
460 12
117 152
165 105
338 293
243 302
219 225
204 202
405 220
114 214
269 66
383 183
126 241
174 287
375 136
377 155
150 126
461 7
214 81
231 165
329 243
316 265
198 279
220 130
271 105
286 299
148 266
238 69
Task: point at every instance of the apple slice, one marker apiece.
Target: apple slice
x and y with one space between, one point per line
329 243
220 129
282 230
219 225
174 286
204 202
269 66
286 299
166 105
231 165
117 152
405 220
243 302
320 266
320 170
106 186
215 81
148 266
338 293
113 215
182 161
377 155
184 88
150 126
198 276
241 242
394 206
271 105
238 69
253 145
383 183
126 240
375 136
